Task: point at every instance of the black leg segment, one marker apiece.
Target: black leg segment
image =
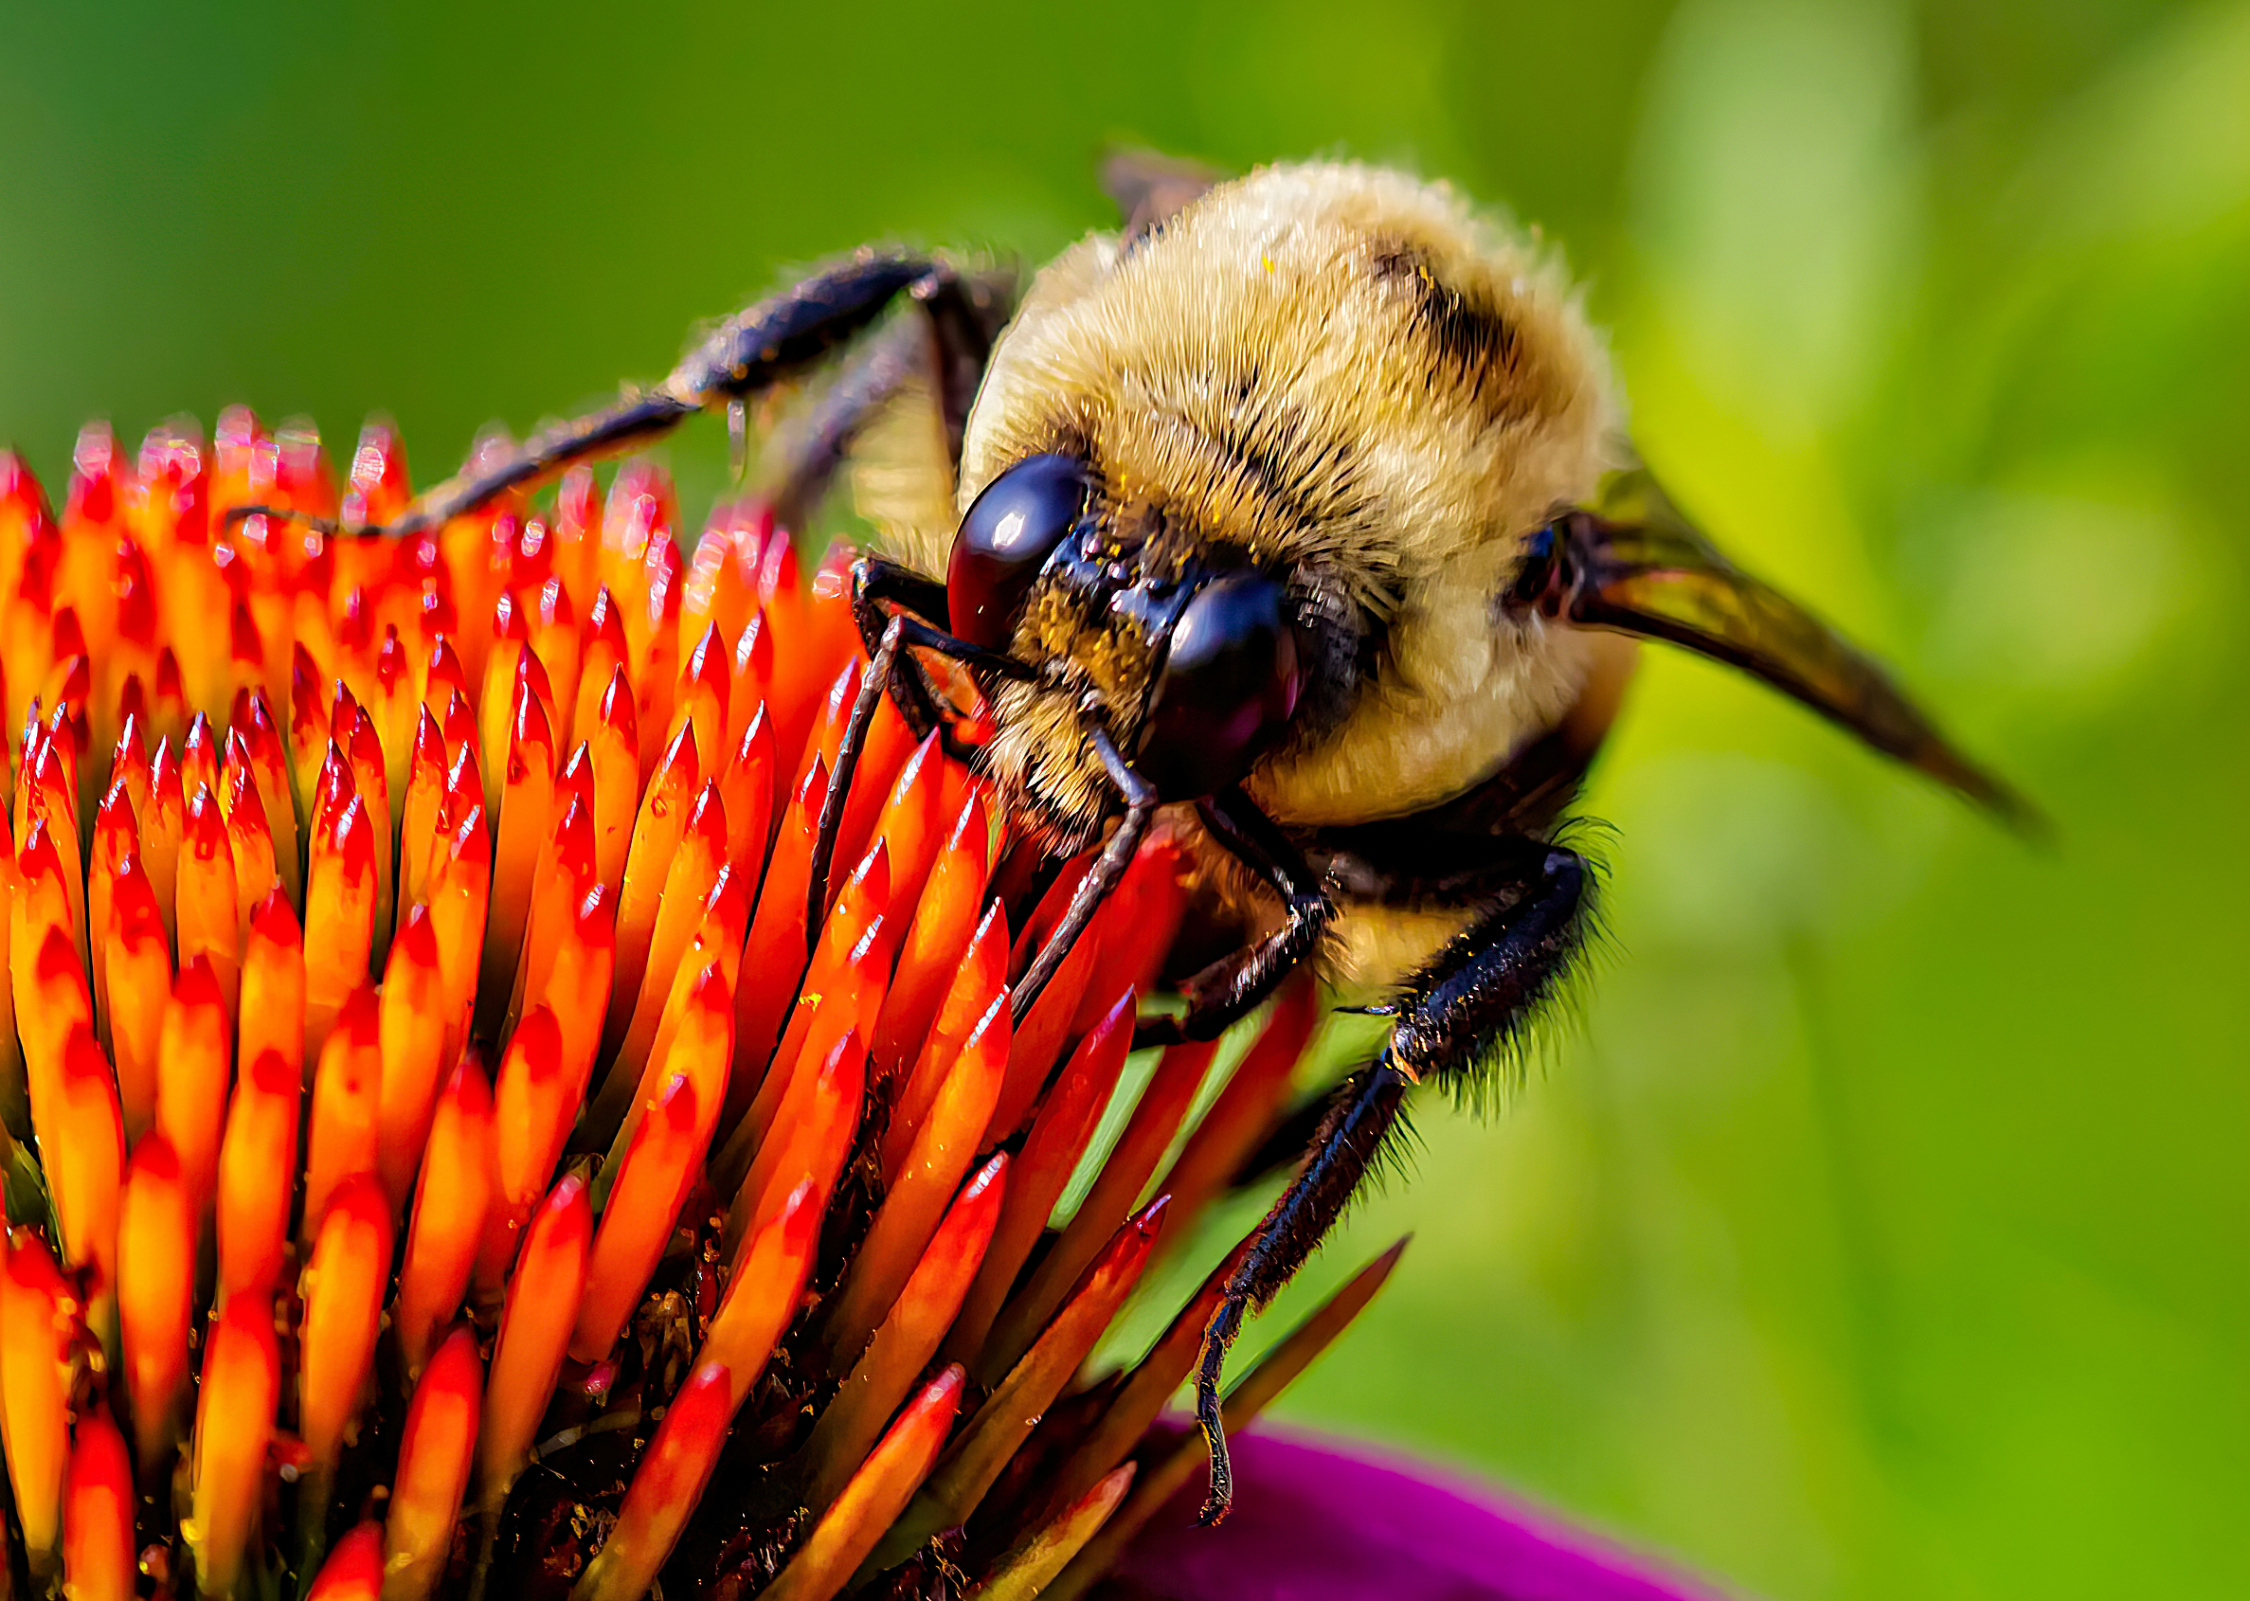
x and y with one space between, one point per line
1100 880
921 601
1359 1120
1483 986
965 313
750 351
1229 990
788 332
948 344
875 372
883 674
1452 1019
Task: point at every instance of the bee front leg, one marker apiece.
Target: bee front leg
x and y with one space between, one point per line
883 677
875 583
1453 1018
1230 989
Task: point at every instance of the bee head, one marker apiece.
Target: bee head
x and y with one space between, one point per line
1186 650
1240 481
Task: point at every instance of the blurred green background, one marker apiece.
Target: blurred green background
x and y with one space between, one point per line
1881 1228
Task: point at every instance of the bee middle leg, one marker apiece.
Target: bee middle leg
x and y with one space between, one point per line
947 345
1452 1017
1230 989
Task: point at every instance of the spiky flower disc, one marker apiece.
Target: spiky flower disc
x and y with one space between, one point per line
441 1160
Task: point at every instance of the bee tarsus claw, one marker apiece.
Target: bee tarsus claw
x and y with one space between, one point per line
1160 1030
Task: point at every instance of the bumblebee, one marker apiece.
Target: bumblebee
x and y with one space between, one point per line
1296 519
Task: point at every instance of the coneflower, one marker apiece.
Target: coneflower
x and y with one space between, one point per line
445 1154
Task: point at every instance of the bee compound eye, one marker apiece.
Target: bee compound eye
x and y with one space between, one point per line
1227 690
1011 529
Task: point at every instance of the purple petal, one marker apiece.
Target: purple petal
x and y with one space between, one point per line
1321 1520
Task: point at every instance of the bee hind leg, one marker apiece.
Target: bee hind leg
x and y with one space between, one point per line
1453 1018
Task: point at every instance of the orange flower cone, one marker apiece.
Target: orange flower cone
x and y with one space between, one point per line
443 1162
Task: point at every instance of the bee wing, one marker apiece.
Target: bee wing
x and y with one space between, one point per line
1642 568
1148 188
